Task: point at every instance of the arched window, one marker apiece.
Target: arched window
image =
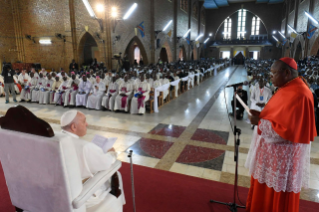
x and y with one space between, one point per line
255 26
137 54
241 28
227 28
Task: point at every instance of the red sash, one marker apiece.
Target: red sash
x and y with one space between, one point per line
112 91
63 87
48 85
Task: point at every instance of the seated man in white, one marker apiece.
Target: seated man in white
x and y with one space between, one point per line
28 88
60 94
23 78
96 95
108 100
125 95
45 91
164 81
84 90
260 95
141 95
36 91
70 94
91 157
57 83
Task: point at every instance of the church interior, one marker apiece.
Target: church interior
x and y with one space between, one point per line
156 83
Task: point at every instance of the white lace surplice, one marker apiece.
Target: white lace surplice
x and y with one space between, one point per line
281 164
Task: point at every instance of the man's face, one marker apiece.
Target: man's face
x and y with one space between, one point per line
57 79
84 78
88 75
261 84
33 70
41 75
80 125
73 77
277 75
113 79
31 74
64 79
62 74
49 77
98 80
125 79
23 72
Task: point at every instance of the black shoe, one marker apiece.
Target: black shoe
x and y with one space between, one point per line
22 100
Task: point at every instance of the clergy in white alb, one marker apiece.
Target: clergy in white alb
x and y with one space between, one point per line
141 96
165 81
59 96
125 95
57 83
70 94
23 78
28 88
84 90
96 94
44 97
36 91
92 159
2 93
108 99
260 95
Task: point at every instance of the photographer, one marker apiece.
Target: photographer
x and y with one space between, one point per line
7 74
243 95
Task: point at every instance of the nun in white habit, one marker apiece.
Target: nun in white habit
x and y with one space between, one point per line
91 159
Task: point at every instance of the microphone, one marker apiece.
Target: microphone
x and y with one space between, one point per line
237 84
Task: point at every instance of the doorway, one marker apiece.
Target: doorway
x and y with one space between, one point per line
88 49
239 59
163 55
298 52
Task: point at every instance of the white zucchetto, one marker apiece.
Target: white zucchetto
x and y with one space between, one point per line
68 117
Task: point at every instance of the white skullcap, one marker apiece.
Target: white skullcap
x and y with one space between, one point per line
68 117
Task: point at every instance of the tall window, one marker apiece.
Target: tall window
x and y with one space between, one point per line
241 29
227 28
255 26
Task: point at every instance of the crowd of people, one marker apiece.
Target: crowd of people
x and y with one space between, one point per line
96 88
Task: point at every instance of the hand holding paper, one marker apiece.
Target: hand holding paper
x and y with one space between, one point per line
104 143
243 104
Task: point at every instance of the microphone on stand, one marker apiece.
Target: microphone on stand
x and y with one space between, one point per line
238 84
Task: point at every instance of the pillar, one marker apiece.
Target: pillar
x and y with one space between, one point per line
175 2
152 31
17 31
73 31
107 25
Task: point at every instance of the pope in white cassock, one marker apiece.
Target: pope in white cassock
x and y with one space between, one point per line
92 159
125 95
260 95
28 88
44 97
84 90
59 95
108 100
141 95
70 94
96 95
36 91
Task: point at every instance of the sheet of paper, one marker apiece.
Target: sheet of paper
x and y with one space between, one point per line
243 104
104 143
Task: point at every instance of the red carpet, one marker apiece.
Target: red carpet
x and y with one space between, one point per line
162 191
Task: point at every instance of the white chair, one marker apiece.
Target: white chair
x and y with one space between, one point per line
43 175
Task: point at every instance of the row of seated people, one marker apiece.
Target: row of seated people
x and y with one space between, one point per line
127 92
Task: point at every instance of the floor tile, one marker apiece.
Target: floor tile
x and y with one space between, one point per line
168 130
210 136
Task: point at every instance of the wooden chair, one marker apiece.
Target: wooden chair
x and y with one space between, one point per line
173 93
168 97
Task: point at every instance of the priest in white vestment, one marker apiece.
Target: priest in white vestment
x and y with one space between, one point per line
36 91
176 87
70 94
1 86
57 83
96 95
91 158
28 88
157 83
260 95
84 90
125 95
59 96
23 78
108 100
90 78
165 81
141 96
45 91
36 75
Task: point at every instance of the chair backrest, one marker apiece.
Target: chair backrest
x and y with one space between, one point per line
42 174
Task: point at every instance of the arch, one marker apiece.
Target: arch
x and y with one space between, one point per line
222 23
163 55
182 52
298 52
129 51
315 47
168 51
194 53
88 49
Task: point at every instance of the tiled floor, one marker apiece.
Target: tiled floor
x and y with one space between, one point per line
190 135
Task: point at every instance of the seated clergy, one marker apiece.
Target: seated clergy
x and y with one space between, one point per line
28 88
141 95
108 100
23 78
260 95
96 95
91 157
156 83
57 83
84 90
125 94
59 95
1 86
36 91
44 97
164 81
70 94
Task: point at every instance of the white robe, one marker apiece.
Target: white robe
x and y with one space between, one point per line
255 97
91 160
1 84
176 87
85 87
166 92
127 89
56 86
157 83
59 95
107 101
36 91
95 98
23 79
70 94
26 94
44 97
145 87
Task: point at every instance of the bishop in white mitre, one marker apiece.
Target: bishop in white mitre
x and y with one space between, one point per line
36 91
125 95
44 97
60 94
84 90
92 159
70 94
108 100
141 96
96 95
28 88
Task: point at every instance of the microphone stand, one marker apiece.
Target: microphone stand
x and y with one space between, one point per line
232 206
